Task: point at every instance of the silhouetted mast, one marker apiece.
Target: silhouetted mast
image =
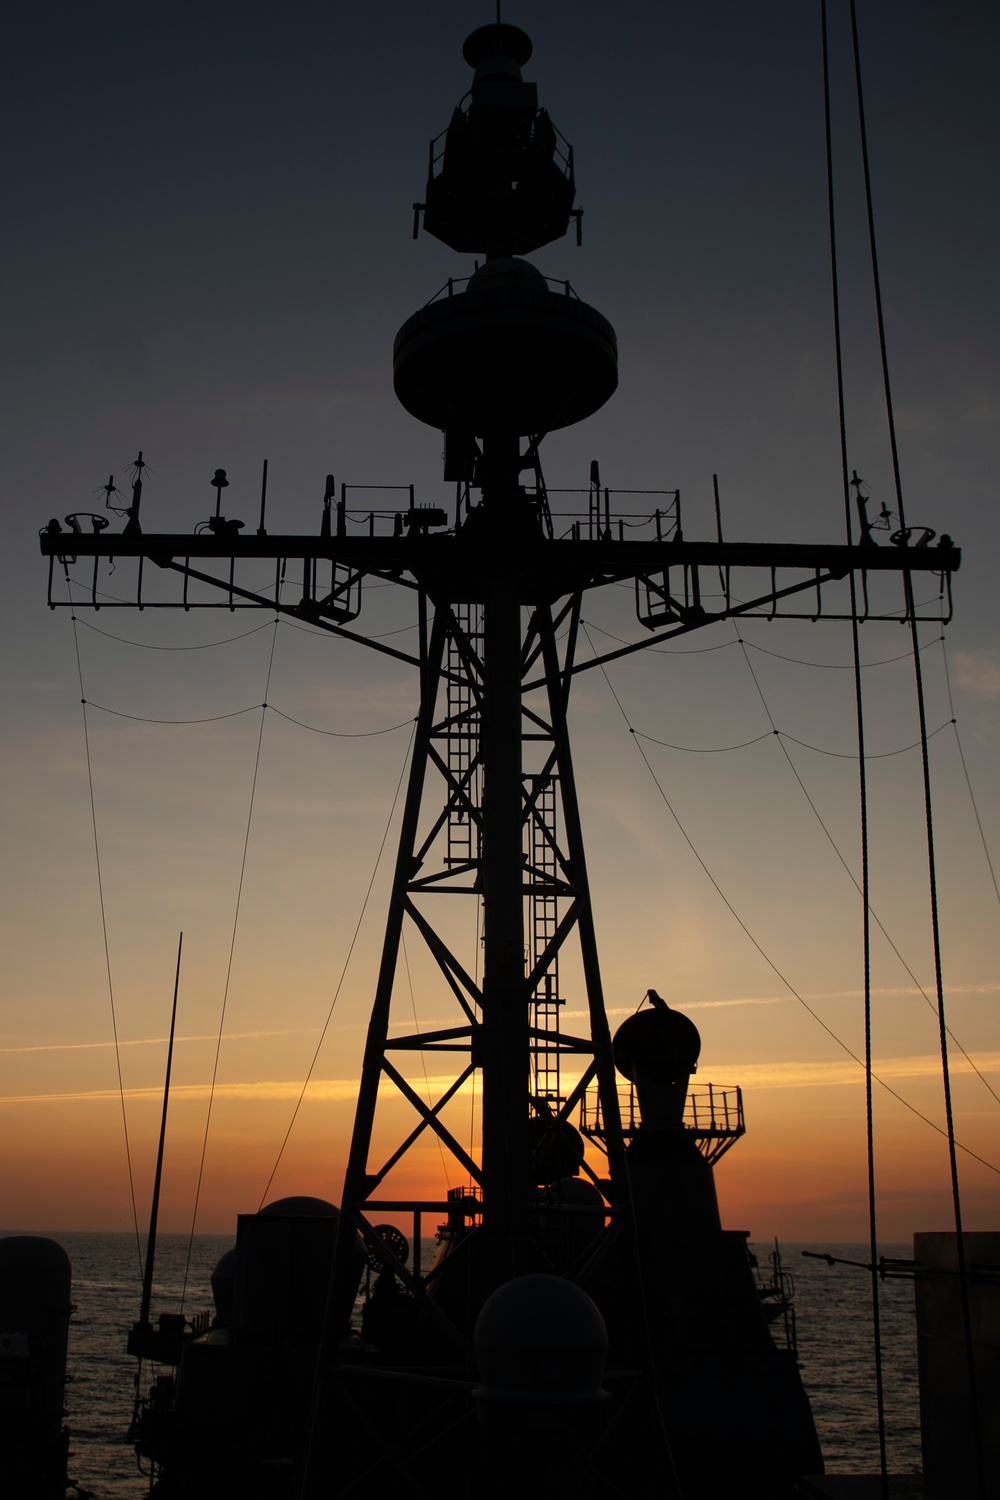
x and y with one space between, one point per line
491 816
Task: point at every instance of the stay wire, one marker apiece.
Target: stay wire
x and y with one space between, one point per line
844 755
943 1032
767 959
798 661
236 713
965 770
873 915
835 666
862 779
341 734
149 646
925 758
343 972
963 1276
782 735
104 925
229 965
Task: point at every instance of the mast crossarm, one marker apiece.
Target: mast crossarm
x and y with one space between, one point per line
444 881
421 1039
446 559
563 1040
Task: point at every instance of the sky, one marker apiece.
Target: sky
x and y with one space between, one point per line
207 255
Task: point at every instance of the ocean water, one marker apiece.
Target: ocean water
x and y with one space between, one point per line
834 1337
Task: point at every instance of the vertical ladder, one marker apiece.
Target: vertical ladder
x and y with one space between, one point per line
462 736
543 921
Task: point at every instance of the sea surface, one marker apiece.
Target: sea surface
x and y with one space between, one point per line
834 1338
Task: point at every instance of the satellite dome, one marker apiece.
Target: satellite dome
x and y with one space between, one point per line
540 1339
300 1208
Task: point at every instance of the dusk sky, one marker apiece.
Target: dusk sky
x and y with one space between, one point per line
207 254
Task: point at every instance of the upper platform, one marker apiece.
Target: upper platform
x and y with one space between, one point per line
500 180
510 351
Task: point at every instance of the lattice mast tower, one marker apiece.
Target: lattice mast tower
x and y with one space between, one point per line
497 362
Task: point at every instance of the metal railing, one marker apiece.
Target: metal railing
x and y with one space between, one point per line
713 1116
455 284
562 152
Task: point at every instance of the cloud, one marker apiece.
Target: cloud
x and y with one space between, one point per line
157 1041
628 1010
264 1089
986 411
405 1023
977 673
879 992
800 1075
776 1075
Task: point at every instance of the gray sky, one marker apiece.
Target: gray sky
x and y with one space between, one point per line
207 253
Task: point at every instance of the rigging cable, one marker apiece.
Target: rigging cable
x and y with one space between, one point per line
104 922
862 778
830 666
340 734
781 736
965 770
210 719
229 965
767 959
928 813
837 666
148 646
851 755
343 972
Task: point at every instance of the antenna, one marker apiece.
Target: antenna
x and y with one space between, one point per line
263 500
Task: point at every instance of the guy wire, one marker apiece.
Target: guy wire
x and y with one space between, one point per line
104 924
229 965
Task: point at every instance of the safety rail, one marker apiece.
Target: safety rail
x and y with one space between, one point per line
201 1322
562 152
679 584
713 1116
604 522
455 283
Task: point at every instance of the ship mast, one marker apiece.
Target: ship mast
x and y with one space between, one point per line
491 817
